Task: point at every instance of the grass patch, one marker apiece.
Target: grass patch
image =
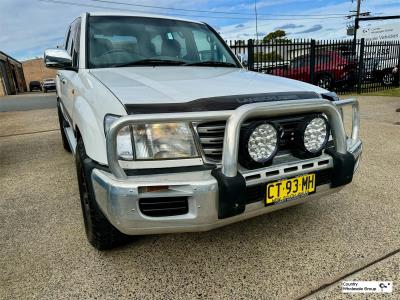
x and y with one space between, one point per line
389 92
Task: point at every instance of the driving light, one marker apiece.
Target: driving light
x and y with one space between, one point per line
263 143
163 141
124 138
316 135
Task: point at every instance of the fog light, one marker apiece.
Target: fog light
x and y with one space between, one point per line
263 143
316 135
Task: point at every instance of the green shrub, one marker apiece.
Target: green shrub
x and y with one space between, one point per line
267 57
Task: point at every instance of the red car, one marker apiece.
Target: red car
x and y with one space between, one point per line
332 70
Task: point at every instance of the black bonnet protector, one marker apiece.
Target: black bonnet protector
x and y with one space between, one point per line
217 103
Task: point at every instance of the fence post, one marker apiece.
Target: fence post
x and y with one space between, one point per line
312 62
360 66
397 75
250 55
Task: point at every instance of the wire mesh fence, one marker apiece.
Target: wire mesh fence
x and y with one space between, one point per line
344 66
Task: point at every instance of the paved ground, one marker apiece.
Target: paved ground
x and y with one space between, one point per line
28 101
304 251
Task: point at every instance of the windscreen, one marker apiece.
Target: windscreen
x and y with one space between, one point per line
118 40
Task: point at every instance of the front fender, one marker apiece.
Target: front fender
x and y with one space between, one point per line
91 130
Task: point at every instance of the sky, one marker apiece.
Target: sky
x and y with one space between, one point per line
27 27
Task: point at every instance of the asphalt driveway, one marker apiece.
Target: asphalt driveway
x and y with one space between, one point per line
303 251
28 101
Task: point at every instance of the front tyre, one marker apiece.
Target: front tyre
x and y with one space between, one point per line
100 233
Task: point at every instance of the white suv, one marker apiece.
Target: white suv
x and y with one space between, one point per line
172 134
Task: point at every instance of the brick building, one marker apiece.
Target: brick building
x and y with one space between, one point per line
12 80
34 69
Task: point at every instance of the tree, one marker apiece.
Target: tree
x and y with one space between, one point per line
274 35
267 57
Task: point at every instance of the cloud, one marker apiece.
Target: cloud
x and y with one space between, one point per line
27 27
312 29
289 26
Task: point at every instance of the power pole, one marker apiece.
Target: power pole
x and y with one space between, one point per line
255 11
358 8
356 16
356 19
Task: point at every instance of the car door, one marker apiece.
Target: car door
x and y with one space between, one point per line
61 92
68 78
303 72
294 68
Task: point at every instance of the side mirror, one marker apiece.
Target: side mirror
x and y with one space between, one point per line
57 59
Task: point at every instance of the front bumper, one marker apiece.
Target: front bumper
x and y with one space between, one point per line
119 196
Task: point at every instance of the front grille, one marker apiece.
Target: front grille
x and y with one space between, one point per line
257 192
164 207
211 135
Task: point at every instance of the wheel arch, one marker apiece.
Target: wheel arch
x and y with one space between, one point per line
88 126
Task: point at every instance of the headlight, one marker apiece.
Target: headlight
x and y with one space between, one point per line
262 143
124 138
163 141
316 135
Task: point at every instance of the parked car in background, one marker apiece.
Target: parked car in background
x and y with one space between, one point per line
386 71
171 134
48 84
332 70
35 86
380 70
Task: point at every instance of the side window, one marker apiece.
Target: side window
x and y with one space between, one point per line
322 59
67 39
203 45
295 63
305 61
180 38
72 43
207 47
71 40
157 43
76 44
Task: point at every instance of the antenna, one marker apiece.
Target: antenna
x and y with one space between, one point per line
255 10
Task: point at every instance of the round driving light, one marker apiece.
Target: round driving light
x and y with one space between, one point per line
316 135
263 143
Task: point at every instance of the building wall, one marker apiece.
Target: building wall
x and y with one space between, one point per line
34 69
12 80
2 87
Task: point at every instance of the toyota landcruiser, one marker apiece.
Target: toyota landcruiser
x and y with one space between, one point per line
171 134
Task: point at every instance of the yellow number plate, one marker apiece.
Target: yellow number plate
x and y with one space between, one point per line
290 188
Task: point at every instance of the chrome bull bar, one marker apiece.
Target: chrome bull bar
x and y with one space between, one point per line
235 118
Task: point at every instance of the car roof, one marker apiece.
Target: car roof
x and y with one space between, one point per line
145 15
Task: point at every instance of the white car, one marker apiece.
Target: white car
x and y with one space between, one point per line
172 134
48 84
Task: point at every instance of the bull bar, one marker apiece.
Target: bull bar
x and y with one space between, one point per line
216 197
235 119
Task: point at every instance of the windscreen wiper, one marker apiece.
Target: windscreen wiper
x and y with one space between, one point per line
151 62
210 63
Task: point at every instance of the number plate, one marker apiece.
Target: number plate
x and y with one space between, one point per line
290 188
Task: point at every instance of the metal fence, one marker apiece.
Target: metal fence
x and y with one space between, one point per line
345 66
